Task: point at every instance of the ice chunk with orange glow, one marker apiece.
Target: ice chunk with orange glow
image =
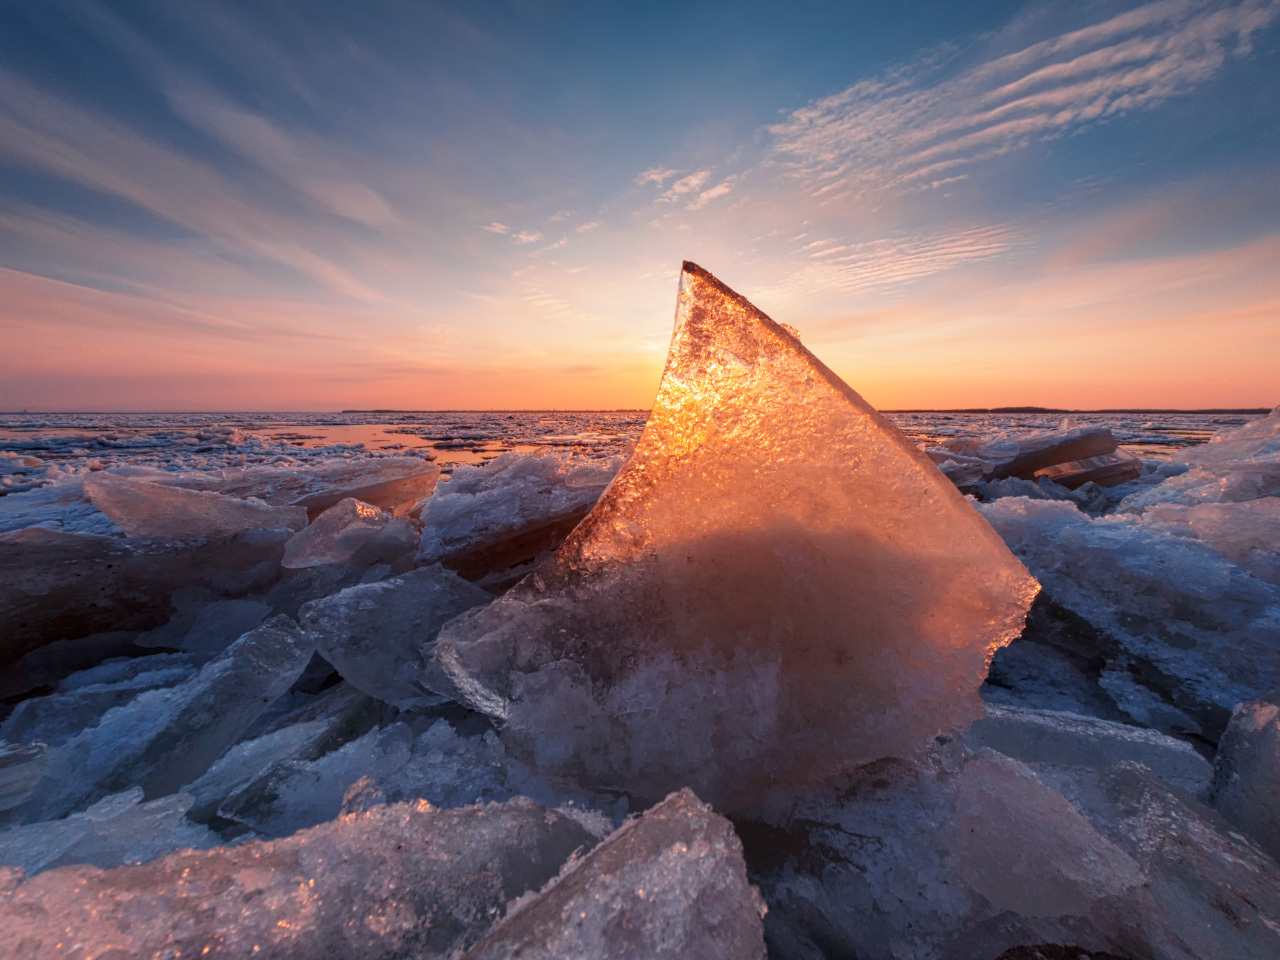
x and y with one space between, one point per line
777 585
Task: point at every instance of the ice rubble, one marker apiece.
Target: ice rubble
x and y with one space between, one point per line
1033 826
144 509
666 886
372 632
1246 533
1060 739
57 586
1190 634
511 511
166 738
325 722
438 765
116 830
76 706
1246 775
204 628
349 532
1070 456
395 484
733 613
1235 466
1256 440
969 855
395 881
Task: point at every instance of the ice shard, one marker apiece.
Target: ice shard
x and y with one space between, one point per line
776 586
350 532
397 881
165 738
143 509
670 884
1246 771
371 632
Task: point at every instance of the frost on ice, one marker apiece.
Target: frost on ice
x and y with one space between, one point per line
777 585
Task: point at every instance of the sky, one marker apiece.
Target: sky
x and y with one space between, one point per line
319 205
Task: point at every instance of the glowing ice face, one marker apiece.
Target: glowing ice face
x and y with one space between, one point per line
777 585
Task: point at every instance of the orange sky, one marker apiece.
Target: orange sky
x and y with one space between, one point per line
1075 206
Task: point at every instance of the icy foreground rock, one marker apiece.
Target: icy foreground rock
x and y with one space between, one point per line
166 738
668 885
371 633
397 881
778 584
144 509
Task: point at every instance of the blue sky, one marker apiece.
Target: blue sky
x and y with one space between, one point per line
323 205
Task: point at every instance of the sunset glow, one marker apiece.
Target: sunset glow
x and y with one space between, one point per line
411 207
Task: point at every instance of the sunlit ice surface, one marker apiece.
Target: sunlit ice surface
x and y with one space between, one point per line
778 585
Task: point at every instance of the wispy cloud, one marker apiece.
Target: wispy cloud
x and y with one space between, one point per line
57 137
889 264
655 175
525 237
585 227
918 127
719 190
304 162
686 185
496 227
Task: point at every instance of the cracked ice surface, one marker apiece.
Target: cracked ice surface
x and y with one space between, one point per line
777 585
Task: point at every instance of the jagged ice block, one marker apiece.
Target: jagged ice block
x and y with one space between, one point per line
777 585
396 881
668 885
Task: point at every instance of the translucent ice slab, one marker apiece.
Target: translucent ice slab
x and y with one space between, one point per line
371 632
166 738
670 884
396 881
777 585
348 532
143 509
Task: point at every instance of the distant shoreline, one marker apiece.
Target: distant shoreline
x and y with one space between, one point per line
156 413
